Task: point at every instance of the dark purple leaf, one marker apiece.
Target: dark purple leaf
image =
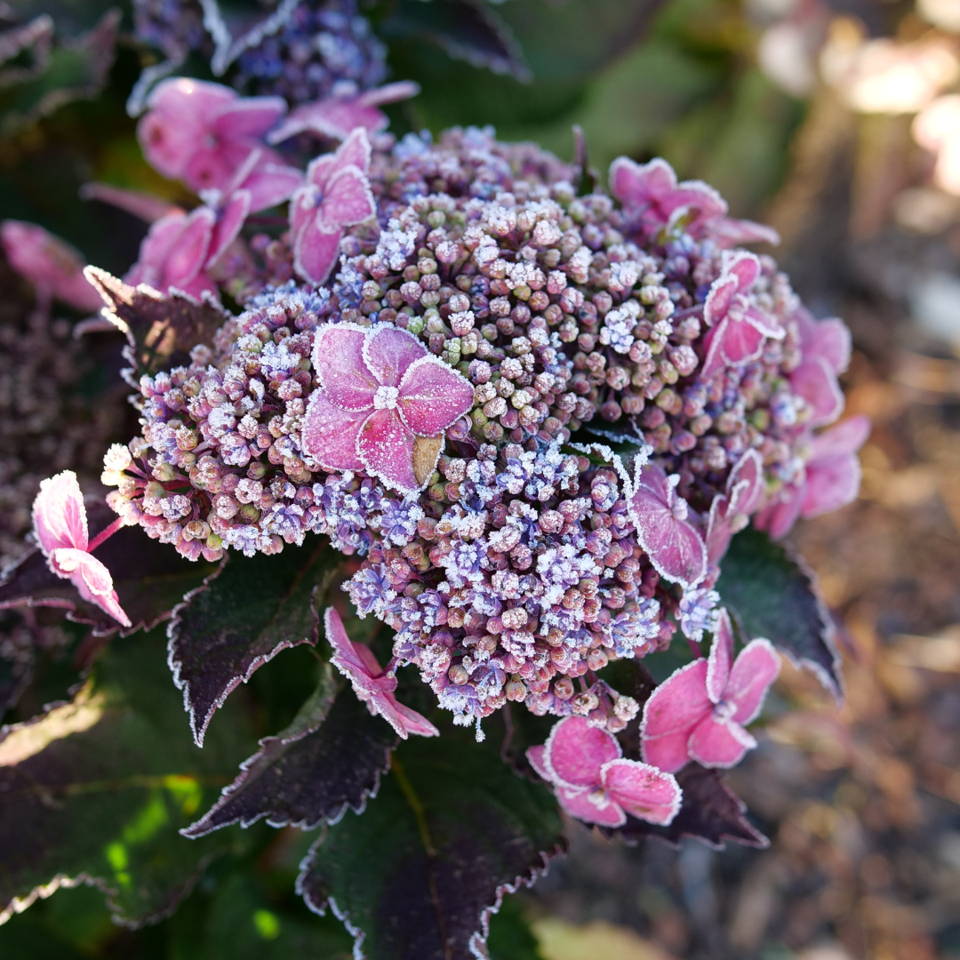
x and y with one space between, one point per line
711 813
161 329
465 29
150 578
330 758
236 26
95 790
243 615
451 831
772 594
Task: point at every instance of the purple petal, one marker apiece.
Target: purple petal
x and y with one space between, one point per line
719 743
432 396
59 514
248 119
575 752
405 720
385 446
745 483
752 676
338 361
642 790
388 352
91 578
356 658
330 434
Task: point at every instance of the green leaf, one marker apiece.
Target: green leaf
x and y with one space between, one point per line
244 615
418 876
95 790
773 595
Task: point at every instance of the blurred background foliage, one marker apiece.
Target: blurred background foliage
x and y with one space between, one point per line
838 121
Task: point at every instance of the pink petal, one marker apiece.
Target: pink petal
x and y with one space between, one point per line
575 752
728 232
537 757
752 676
719 743
433 396
355 151
815 381
385 446
316 251
347 200
405 720
642 790
91 578
338 361
186 98
831 484
844 438
721 657
719 530
833 343
270 184
699 196
228 225
330 434
248 119
745 483
635 185
671 713
591 806
388 351
674 546
189 254
745 267
356 658
59 514
214 167
334 118
779 517
722 293
733 342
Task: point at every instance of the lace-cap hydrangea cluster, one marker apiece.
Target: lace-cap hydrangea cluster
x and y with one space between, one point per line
533 417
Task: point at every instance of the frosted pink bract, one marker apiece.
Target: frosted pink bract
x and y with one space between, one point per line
595 784
374 687
60 525
379 390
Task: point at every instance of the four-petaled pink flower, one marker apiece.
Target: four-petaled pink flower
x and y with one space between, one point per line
336 195
738 328
699 712
829 480
202 133
370 683
60 525
593 782
673 544
382 404
337 117
54 269
730 510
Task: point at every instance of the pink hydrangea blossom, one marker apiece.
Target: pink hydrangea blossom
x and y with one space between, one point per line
54 268
674 545
382 404
60 526
830 478
202 132
337 117
651 190
700 711
371 683
738 329
595 784
825 353
336 195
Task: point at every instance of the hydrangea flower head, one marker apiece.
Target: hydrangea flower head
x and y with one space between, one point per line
382 404
202 132
336 195
700 712
60 525
593 781
370 683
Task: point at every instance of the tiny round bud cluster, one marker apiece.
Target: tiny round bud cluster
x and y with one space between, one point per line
524 580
